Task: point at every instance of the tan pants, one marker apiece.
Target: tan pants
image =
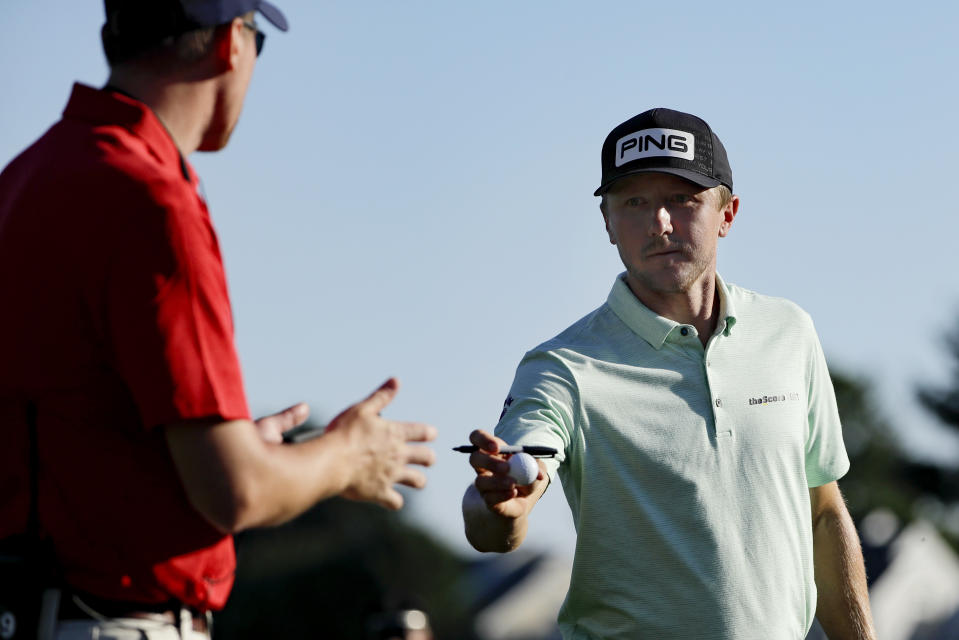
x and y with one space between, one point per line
114 628
125 629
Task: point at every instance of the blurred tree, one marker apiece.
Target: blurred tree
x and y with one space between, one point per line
879 470
882 474
939 483
882 477
944 403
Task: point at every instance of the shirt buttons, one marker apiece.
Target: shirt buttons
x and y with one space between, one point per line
684 331
719 402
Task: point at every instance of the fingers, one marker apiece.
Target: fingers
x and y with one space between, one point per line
417 431
293 416
423 456
486 459
271 428
485 441
494 484
391 499
378 400
288 418
498 492
412 478
484 462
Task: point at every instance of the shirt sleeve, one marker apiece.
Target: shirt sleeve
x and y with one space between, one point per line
540 405
169 322
826 458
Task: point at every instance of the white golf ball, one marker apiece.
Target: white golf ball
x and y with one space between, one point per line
523 468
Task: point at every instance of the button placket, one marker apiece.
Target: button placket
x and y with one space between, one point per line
715 391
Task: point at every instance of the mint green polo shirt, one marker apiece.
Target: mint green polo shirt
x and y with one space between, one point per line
686 469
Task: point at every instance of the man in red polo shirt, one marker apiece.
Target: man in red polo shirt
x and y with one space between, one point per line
127 441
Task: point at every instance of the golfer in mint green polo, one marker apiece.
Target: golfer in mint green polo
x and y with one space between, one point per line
696 424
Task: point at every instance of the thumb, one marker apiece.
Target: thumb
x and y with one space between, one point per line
378 400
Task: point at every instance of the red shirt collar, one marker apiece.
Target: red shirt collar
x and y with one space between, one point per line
102 107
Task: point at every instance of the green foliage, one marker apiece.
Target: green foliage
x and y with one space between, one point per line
882 474
878 474
944 403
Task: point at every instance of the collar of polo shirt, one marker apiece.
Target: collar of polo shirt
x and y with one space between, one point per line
653 328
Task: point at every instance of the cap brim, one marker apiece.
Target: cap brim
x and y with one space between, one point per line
693 176
273 15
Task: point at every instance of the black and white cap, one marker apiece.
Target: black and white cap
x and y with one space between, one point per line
665 141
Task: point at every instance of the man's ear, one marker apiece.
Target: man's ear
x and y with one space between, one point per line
609 231
729 214
226 45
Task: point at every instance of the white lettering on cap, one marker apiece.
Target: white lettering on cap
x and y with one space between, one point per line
650 143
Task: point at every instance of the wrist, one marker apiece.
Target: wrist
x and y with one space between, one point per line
333 456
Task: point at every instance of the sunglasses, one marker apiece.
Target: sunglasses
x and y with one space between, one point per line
260 36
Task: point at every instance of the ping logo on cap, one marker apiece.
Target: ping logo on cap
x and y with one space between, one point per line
650 143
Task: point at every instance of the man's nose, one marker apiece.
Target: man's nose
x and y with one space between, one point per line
661 222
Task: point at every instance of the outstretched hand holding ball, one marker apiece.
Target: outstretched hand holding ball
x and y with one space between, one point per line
508 485
496 506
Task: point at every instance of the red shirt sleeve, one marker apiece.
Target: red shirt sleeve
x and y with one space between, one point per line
169 321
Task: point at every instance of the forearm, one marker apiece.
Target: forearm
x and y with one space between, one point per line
238 481
843 604
288 480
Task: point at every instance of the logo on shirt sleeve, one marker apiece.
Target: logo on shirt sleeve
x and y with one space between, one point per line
509 401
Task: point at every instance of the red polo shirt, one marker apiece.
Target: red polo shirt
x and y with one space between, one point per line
114 319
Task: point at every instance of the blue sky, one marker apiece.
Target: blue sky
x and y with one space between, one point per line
409 191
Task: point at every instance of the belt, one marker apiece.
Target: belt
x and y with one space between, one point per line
92 607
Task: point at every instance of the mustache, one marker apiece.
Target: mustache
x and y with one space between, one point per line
659 245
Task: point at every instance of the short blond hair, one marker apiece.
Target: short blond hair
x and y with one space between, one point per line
723 195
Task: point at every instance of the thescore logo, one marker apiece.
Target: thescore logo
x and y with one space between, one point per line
651 143
792 397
